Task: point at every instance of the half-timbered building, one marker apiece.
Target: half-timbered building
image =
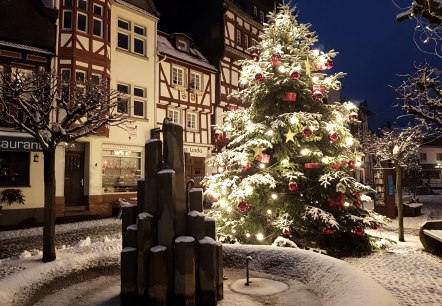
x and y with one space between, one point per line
186 87
27 44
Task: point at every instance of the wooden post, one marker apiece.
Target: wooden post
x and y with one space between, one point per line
145 242
152 165
131 236
157 290
185 271
174 159
140 195
196 199
166 233
128 274
207 271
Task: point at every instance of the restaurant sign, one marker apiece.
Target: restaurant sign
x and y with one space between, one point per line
19 144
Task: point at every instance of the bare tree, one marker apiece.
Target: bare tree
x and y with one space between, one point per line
401 147
421 95
54 111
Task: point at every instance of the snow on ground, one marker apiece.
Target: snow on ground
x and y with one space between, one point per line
410 274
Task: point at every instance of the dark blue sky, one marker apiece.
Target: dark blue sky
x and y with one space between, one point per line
373 48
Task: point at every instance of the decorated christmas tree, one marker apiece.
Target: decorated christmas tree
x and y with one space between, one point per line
289 167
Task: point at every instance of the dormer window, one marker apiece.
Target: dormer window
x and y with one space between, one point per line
182 44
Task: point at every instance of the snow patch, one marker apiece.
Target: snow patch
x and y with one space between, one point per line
185 239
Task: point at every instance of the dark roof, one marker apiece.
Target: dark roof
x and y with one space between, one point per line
146 5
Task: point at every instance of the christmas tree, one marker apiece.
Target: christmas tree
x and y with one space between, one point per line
288 169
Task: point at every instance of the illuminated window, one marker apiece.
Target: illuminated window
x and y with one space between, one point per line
177 76
121 170
191 121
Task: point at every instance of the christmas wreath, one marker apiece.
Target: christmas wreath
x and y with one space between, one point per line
11 196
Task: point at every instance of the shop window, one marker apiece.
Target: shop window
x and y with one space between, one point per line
14 168
121 170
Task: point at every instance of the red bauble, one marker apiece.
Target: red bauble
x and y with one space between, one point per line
287 234
255 57
276 59
329 64
353 116
333 136
243 206
289 97
317 95
351 164
246 167
328 231
307 132
218 134
359 232
336 166
358 195
320 88
312 165
214 198
293 186
259 77
294 75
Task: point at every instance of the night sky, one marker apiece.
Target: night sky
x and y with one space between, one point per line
373 48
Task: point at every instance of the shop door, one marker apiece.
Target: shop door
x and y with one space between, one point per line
198 169
74 179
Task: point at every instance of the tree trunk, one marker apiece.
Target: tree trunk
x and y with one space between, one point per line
49 206
399 204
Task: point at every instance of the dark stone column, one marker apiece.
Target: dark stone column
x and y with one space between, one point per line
131 236
166 233
219 271
196 199
195 225
140 194
174 159
128 273
207 271
157 291
210 226
145 242
153 151
128 217
185 271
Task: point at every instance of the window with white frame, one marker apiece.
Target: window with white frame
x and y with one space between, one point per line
68 3
123 101
195 80
261 16
80 76
81 22
246 41
139 40
139 101
191 121
67 20
124 34
98 21
174 115
439 156
177 76
238 37
254 42
132 37
255 10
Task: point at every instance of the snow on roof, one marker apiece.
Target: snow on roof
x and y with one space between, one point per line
138 6
25 47
195 213
165 47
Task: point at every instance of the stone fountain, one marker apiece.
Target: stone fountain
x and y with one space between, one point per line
170 255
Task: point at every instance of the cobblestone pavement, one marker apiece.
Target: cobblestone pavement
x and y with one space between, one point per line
13 245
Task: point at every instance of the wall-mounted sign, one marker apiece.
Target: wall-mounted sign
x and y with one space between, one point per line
19 144
196 150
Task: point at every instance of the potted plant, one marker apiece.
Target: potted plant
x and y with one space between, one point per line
11 196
